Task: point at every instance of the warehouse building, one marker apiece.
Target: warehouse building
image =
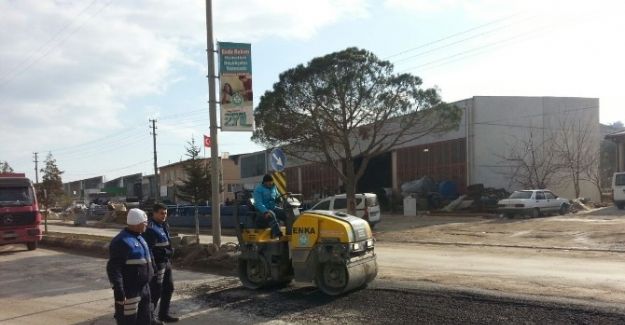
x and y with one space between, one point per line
478 151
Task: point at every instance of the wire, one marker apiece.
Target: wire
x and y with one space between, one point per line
32 54
460 41
477 48
451 36
480 50
175 116
106 138
110 170
51 49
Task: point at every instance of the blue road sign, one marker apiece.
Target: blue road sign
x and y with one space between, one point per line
277 160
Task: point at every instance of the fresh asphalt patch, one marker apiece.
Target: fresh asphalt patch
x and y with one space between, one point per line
299 304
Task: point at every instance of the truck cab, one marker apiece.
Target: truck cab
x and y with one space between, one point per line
20 218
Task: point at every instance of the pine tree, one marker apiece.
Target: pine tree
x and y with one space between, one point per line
196 187
50 190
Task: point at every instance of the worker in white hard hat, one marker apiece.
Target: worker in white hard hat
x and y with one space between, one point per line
130 269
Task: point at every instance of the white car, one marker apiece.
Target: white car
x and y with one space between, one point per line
367 206
618 190
533 203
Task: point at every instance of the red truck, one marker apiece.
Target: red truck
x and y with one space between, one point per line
20 218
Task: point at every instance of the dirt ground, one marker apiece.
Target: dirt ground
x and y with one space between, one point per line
602 229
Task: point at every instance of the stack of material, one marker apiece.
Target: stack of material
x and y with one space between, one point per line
457 204
116 213
579 205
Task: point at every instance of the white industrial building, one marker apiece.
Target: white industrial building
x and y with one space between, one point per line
478 151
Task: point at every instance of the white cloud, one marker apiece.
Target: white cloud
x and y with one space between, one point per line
69 68
550 48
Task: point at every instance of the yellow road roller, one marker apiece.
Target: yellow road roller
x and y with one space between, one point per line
333 250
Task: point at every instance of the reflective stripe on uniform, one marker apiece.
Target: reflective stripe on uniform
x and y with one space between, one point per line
161 271
131 306
132 300
163 244
137 261
130 312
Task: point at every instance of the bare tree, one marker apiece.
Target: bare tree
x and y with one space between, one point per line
5 167
574 141
532 163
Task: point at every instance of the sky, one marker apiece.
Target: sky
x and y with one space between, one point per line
81 79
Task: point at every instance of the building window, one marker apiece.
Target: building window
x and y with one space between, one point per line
253 165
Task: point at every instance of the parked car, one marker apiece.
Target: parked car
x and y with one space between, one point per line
367 206
618 190
533 203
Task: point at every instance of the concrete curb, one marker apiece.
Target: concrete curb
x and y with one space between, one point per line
100 247
560 248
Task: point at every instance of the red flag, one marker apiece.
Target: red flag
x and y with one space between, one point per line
207 141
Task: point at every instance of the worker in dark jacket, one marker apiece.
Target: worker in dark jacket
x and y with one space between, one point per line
130 269
159 242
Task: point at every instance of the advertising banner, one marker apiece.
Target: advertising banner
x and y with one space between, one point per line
235 87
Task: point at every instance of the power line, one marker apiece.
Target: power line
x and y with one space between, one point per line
32 54
480 49
476 48
177 115
52 48
460 41
109 170
100 147
451 36
121 135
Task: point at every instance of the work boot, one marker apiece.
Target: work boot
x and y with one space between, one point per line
169 319
275 231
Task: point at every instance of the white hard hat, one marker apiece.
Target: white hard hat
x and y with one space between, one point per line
136 216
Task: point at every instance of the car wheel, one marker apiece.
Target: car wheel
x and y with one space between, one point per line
620 206
535 213
564 209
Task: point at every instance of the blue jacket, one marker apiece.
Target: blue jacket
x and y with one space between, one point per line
265 198
157 237
130 266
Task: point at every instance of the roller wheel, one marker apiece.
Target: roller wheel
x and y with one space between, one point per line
253 273
332 278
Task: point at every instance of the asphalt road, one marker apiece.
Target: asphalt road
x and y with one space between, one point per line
51 287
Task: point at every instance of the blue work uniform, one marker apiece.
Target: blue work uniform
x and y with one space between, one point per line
162 285
130 269
265 200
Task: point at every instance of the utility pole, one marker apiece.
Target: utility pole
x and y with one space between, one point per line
212 109
156 178
36 167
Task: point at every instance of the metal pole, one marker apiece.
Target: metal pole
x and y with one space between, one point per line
36 168
156 178
212 107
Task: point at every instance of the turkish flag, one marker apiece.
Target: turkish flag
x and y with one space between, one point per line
207 141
